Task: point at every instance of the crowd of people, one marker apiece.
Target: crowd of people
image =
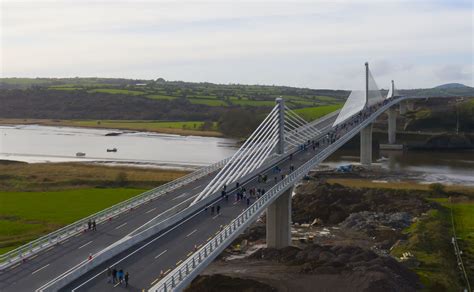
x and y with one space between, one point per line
118 277
247 196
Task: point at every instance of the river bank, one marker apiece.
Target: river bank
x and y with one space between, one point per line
184 128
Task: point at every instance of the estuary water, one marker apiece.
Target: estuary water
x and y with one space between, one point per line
31 143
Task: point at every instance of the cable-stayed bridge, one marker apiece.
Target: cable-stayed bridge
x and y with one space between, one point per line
165 237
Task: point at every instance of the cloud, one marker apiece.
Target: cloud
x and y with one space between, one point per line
313 44
454 72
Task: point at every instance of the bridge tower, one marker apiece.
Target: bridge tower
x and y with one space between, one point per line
392 120
279 212
366 133
281 120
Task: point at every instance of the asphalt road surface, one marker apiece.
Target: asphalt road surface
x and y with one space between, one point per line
145 261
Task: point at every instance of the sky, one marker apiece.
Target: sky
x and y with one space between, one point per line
315 44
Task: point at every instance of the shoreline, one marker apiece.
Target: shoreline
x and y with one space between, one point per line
75 124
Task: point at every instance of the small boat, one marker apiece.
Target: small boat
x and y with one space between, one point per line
382 159
112 150
80 154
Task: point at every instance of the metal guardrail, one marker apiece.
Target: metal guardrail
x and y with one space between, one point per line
23 252
182 275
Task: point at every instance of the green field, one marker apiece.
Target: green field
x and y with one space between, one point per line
463 213
244 102
429 240
142 125
162 97
27 215
313 113
117 91
209 102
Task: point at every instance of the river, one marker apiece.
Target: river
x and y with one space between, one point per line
32 144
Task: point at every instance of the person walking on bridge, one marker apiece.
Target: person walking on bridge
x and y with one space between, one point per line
89 224
94 226
109 275
120 276
114 276
126 279
218 209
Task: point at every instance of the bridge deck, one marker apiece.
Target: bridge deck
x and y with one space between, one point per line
41 268
165 251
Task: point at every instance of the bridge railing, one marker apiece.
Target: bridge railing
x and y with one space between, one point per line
182 275
23 252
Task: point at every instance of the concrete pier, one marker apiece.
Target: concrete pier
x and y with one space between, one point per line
392 125
279 221
403 107
366 145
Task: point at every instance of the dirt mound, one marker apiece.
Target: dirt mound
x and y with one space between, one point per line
333 203
380 271
367 221
219 283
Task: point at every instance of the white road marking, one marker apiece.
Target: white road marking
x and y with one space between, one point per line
161 254
85 244
39 269
129 255
180 196
118 283
151 210
215 216
191 232
122 225
197 187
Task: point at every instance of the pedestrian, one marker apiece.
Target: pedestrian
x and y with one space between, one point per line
120 276
225 187
237 185
226 198
248 202
218 209
126 279
89 224
109 275
212 210
222 193
94 225
114 276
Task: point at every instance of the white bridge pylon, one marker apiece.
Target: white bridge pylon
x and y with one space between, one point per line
282 126
359 99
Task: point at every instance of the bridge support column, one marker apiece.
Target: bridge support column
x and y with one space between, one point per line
403 107
366 145
279 221
392 125
410 106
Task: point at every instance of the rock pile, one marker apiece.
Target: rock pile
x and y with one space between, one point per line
367 221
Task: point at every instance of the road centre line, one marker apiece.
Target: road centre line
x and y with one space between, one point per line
39 269
191 232
161 254
120 226
151 210
85 244
137 250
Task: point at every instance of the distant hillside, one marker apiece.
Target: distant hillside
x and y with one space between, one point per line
451 85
